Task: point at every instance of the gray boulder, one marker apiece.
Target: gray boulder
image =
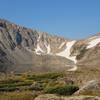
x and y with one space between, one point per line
55 97
90 88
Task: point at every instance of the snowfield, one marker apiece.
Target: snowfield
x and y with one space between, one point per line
62 44
67 52
93 43
38 49
48 48
73 69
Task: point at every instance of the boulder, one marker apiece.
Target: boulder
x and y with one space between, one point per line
90 88
55 97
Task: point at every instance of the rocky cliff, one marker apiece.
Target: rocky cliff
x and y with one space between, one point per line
40 51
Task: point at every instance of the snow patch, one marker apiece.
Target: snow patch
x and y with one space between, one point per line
93 43
48 48
74 68
38 50
28 49
61 45
66 53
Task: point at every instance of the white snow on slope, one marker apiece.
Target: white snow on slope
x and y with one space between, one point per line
93 43
38 50
92 37
48 48
61 45
28 49
73 69
66 53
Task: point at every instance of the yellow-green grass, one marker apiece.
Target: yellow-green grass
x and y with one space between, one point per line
25 95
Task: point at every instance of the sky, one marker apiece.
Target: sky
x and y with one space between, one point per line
74 19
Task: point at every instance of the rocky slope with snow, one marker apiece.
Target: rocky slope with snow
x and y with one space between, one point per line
40 51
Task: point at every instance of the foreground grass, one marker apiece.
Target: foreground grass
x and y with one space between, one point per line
28 81
21 86
25 95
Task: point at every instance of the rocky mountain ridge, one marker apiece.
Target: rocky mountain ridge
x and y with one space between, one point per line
40 51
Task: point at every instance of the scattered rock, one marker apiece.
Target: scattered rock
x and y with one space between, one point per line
90 88
48 97
55 97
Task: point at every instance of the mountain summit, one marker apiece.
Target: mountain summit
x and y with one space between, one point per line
23 49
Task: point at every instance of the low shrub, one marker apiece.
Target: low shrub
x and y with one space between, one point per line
9 81
9 89
38 77
61 90
14 86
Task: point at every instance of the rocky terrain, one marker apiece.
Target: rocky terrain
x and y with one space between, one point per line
40 51
55 97
40 66
92 87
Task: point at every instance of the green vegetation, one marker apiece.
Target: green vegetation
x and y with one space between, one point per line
62 90
26 86
27 81
38 77
15 85
25 95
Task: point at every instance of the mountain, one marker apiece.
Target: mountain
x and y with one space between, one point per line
42 52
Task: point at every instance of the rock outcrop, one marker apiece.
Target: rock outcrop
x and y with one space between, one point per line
55 97
90 88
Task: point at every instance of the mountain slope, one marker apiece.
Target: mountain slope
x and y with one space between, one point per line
40 51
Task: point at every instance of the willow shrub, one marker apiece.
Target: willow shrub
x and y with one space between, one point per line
62 90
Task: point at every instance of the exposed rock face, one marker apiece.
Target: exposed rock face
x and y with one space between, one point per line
37 51
54 97
88 51
40 51
90 88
